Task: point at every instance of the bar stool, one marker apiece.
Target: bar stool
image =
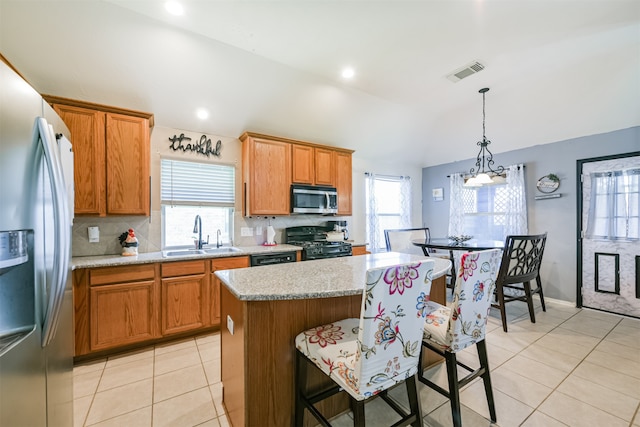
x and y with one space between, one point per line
367 356
448 330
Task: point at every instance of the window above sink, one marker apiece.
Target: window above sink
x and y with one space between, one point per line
195 188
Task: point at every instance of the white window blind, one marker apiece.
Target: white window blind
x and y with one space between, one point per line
192 183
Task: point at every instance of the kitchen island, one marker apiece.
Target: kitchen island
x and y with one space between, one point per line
264 308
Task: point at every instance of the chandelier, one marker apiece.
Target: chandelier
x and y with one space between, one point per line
483 172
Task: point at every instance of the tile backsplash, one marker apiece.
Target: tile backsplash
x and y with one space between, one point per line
148 231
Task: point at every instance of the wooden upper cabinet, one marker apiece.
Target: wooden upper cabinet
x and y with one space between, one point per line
303 167
344 182
266 172
312 166
325 167
111 157
127 147
87 133
270 164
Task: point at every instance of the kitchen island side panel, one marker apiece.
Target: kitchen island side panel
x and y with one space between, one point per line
232 357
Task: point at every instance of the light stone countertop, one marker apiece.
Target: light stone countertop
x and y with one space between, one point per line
323 278
151 257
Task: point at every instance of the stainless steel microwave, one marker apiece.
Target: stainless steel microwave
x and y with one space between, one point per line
310 199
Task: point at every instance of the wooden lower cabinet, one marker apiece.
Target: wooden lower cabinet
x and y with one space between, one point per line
222 264
114 307
117 308
185 298
359 250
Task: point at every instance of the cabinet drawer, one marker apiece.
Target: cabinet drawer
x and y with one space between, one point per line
229 263
183 268
120 274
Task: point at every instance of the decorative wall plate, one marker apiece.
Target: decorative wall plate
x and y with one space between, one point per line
548 183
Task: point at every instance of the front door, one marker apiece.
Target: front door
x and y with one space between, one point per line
609 253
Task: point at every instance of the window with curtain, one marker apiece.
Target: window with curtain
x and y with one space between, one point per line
490 212
614 210
388 205
188 189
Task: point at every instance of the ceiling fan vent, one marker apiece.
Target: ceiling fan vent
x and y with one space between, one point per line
465 71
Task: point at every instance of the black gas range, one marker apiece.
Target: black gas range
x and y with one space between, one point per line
315 245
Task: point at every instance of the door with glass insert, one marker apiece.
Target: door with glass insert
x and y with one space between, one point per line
610 242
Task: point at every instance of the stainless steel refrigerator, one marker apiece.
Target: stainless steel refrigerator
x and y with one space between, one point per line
36 214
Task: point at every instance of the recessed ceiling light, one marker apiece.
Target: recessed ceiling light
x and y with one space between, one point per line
348 73
174 8
202 114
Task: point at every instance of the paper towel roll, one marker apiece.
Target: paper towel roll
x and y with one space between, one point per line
271 234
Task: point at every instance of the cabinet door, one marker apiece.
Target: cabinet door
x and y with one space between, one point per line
127 148
267 176
302 164
343 182
185 303
122 314
87 136
222 264
325 167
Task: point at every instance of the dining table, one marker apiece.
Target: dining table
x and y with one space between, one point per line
451 245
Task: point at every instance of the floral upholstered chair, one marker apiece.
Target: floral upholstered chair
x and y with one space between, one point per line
448 330
367 356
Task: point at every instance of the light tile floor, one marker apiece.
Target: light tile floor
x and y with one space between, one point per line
571 368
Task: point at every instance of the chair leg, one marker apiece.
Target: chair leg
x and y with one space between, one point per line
481 346
503 311
414 400
300 380
529 297
357 406
539 283
454 392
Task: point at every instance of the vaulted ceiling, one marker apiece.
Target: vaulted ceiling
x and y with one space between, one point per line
556 69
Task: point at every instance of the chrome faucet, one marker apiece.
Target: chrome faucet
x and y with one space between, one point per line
218 243
197 228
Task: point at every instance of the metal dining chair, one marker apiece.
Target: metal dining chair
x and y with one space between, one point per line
399 239
368 355
520 265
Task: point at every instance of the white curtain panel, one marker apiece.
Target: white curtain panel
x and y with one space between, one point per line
373 224
614 211
456 204
516 209
405 201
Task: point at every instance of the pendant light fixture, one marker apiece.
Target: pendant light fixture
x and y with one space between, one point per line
483 171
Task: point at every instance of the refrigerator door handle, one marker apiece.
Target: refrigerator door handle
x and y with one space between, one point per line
44 133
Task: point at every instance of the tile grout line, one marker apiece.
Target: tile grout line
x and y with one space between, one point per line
555 389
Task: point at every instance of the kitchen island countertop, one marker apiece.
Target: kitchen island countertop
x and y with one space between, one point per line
323 278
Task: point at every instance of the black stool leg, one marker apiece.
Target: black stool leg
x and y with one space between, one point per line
301 377
357 406
486 377
414 404
454 392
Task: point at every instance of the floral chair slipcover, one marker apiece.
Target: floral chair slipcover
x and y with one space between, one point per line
382 348
448 330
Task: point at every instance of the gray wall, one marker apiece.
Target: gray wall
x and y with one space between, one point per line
555 216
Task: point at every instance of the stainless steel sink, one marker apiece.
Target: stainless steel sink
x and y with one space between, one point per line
221 250
187 252
182 252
